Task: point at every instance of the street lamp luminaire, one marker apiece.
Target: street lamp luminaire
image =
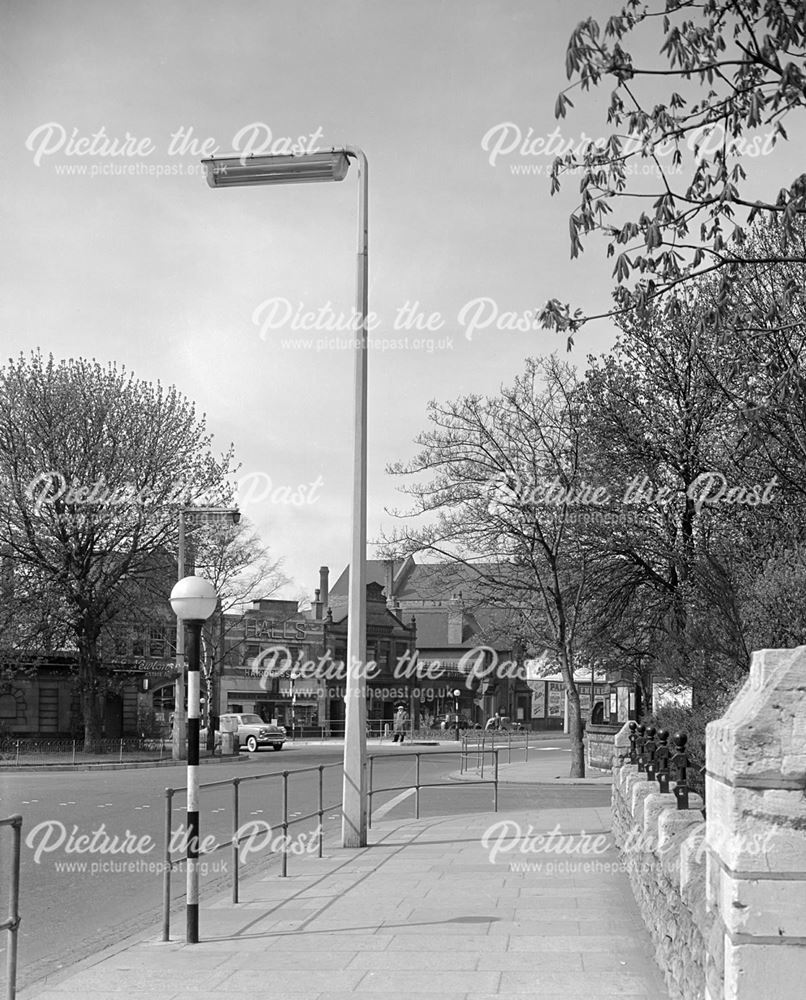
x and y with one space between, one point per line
237 171
178 734
193 600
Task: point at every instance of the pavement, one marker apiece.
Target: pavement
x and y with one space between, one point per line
537 770
459 907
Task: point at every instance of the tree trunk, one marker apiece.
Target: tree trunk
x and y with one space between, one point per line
90 689
574 719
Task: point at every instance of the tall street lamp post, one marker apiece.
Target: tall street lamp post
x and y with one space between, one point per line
179 728
235 171
456 695
193 600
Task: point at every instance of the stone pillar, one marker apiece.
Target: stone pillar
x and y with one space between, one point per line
623 698
756 834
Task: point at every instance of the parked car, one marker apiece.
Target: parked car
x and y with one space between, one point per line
254 733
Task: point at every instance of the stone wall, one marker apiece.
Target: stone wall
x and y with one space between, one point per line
662 848
756 831
724 899
599 739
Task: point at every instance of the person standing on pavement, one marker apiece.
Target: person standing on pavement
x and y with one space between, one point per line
399 726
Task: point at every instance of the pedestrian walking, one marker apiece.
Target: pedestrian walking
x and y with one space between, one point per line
399 725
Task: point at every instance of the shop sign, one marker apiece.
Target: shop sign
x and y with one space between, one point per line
260 628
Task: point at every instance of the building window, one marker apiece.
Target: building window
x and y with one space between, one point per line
8 706
156 642
164 699
138 646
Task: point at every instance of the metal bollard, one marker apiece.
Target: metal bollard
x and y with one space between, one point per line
236 854
166 875
649 753
662 761
321 811
369 794
640 745
633 746
284 865
679 764
416 786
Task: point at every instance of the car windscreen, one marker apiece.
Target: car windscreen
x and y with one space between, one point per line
252 720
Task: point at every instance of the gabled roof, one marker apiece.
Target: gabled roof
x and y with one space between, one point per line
421 581
432 632
376 573
429 591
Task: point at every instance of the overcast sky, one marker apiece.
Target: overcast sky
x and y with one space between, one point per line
124 253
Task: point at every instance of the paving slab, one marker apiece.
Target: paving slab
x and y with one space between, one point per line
425 910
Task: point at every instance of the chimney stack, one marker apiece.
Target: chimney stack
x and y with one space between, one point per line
389 581
456 621
324 588
317 605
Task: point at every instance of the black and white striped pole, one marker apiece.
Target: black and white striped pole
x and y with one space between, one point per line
193 600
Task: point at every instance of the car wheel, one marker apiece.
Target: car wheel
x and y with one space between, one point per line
277 746
251 744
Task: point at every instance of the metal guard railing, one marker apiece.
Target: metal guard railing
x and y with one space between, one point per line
12 921
235 842
287 821
428 784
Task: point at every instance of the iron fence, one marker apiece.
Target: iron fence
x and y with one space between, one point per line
12 922
28 750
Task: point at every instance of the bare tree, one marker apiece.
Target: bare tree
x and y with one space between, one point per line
501 473
93 466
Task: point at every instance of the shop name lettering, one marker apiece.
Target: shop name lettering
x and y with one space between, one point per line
275 630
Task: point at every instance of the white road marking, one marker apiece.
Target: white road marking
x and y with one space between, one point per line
388 806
